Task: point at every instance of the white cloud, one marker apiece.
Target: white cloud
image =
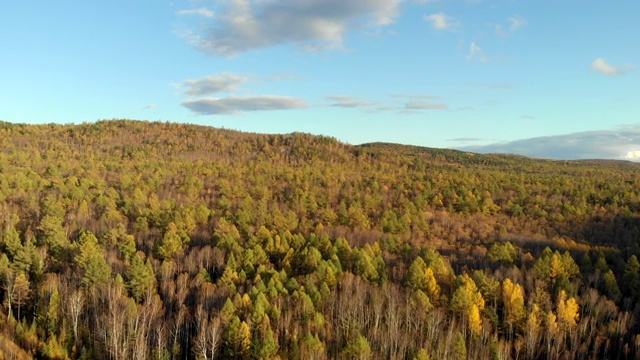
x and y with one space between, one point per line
441 21
213 84
476 53
633 155
240 104
605 144
199 11
243 25
602 66
151 106
346 101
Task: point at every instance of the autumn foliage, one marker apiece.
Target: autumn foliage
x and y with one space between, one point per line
145 240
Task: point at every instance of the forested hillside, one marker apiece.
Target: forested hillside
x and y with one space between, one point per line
137 240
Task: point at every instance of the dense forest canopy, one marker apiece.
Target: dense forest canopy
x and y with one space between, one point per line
126 239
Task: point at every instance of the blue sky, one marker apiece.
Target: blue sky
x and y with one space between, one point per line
541 78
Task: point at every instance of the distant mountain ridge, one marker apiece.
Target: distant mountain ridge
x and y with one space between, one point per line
150 132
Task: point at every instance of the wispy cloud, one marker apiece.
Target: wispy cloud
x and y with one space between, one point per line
243 25
346 101
225 82
384 108
199 11
476 54
628 127
412 103
411 96
602 66
423 105
441 21
499 30
606 144
516 23
239 104
465 139
150 106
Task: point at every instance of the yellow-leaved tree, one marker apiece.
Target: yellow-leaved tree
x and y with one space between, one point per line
514 311
568 311
468 301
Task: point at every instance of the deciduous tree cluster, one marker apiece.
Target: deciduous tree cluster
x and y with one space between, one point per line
136 240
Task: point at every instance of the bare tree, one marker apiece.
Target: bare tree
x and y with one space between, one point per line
148 313
74 306
207 339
